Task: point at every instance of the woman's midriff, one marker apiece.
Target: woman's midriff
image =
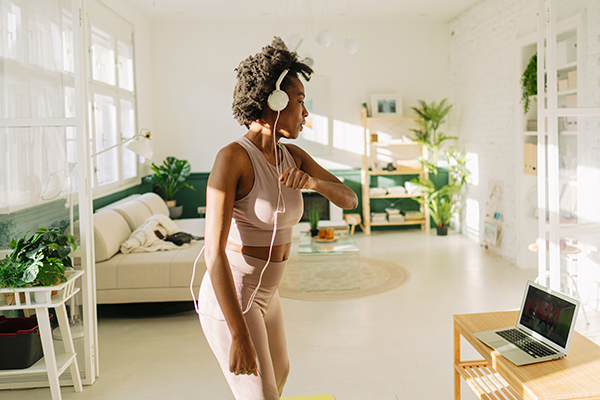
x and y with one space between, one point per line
279 253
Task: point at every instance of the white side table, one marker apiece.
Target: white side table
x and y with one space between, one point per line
40 299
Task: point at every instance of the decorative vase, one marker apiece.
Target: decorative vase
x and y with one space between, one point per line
171 203
442 230
314 232
175 212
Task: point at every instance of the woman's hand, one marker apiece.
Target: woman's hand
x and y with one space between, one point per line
295 178
242 357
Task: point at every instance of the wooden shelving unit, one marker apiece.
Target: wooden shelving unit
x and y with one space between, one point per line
409 166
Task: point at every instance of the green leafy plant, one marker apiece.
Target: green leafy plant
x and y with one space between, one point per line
431 117
170 176
444 202
39 260
12 273
529 83
314 216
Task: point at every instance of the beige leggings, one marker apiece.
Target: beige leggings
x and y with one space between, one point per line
265 322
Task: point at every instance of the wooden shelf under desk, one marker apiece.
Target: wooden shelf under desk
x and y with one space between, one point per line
485 382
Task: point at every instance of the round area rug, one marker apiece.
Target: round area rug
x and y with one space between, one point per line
333 281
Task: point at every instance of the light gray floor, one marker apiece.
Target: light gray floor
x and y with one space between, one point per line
397 345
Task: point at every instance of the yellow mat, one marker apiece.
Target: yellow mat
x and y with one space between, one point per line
313 397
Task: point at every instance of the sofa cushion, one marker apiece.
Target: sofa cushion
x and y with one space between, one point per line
110 230
155 203
135 213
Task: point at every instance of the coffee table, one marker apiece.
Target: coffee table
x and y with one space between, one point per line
328 266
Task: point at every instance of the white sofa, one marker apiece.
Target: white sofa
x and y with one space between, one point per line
142 277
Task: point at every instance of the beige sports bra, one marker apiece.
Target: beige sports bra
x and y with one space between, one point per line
253 215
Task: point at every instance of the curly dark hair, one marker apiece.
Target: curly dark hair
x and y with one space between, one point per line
257 75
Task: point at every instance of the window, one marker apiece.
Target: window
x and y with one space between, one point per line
112 99
37 110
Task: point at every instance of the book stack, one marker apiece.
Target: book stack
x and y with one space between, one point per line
413 215
377 217
531 125
396 191
376 191
394 215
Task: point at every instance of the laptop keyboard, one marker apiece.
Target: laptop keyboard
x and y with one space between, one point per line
526 343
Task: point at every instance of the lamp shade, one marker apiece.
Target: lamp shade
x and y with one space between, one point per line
141 146
351 45
324 37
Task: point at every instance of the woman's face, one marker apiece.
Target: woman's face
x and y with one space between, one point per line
293 117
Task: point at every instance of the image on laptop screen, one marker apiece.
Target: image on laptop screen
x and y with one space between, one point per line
548 315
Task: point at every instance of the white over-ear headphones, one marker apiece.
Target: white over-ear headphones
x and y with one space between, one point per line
278 99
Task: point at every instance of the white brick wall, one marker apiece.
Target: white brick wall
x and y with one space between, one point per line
483 59
483 69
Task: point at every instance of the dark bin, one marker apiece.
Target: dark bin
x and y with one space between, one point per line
20 343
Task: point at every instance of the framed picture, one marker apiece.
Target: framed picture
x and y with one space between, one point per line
386 105
490 233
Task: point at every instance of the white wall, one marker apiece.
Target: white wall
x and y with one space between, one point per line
193 79
484 75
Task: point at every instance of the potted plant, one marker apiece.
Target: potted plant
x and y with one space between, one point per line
431 117
529 83
170 179
39 260
314 216
444 202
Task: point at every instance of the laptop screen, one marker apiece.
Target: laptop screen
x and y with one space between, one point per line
548 315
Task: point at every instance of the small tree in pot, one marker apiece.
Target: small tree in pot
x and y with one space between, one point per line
170 178
443 202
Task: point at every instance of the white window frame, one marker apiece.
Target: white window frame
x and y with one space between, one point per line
120 30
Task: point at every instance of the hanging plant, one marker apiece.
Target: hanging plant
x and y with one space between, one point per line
529 83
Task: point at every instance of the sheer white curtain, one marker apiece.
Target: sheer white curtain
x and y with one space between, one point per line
36 102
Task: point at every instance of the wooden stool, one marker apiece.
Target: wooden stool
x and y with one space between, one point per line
353 220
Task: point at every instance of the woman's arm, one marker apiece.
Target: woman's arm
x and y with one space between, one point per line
310 175
220 197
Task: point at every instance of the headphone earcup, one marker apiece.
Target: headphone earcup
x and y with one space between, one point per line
278 100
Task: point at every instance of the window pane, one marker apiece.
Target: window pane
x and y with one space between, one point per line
33 165
127 131
32 58
125 66
103 56
105 116
68 44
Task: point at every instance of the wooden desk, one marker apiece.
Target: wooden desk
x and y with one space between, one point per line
576 376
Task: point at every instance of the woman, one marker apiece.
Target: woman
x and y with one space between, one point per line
253 200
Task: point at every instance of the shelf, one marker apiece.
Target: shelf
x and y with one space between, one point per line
64 291
415 222
393 143
381 173
568 66
389 196
62 362
485 382
563 133
391 118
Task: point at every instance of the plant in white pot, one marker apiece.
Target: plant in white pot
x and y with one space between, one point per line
170 178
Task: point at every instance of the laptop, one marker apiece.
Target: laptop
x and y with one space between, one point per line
544 328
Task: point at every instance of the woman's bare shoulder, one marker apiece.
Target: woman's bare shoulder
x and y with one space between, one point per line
231 160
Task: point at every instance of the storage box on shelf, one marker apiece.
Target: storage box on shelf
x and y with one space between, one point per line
404 159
